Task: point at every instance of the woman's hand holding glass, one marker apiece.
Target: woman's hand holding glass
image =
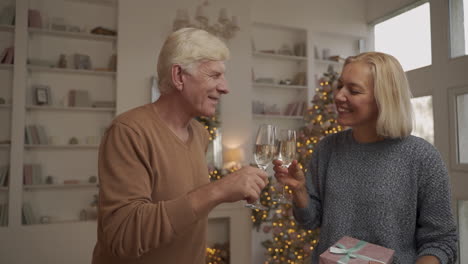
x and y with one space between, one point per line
293 176
286 153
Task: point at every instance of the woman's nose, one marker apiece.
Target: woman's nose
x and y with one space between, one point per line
340 95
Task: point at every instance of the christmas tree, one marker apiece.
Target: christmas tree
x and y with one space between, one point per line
290 243
320 119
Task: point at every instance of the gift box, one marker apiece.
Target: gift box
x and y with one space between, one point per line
353 251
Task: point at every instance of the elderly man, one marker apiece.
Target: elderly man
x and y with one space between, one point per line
154 190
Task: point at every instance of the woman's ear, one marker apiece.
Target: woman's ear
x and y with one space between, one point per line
177 80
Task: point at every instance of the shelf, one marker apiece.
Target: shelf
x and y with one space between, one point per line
31 146
34 187
258 116
74 35
70 221
7 28
276 26
329 62
5 106
71 71
67 108
6 66
255 84
277 56
96 2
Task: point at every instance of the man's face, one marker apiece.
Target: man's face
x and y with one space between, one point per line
203 87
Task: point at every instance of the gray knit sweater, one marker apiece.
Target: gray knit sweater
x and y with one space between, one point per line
394 193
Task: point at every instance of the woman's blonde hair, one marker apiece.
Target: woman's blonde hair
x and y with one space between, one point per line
392 94
187 47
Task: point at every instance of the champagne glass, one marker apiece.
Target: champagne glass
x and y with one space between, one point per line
264 153
286 153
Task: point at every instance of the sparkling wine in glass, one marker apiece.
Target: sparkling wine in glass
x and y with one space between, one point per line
286 153
264 153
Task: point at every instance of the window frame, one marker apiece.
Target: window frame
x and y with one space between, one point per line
453 92
456 30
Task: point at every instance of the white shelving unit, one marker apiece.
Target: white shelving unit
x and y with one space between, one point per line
6 84
333 44
277 62
58 118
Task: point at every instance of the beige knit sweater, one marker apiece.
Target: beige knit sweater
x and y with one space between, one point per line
145 173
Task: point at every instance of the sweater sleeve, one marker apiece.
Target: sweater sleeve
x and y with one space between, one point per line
311 216
436 233
131 223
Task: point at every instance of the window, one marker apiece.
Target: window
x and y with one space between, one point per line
459 127
458 27
462 125
406 36
424 119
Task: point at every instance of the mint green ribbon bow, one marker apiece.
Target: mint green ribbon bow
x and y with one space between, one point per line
350 252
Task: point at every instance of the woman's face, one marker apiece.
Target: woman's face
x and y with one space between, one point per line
354 98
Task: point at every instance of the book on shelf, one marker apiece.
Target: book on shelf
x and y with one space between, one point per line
28 215
7 15
32 174
3 214
4 174
8 56
35 134
79 98
295 109
34 18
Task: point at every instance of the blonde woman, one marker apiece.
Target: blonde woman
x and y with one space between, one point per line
375 181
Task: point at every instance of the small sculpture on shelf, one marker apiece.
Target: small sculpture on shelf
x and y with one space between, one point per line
103 31
44 219
112 65
285 50
82 62
300 49
90 213
49 180
285 82
92 179
300 79
73 141
62 63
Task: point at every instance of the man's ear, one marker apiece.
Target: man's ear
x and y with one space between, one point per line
176 72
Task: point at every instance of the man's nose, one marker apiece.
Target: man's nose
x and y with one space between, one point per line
223 87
